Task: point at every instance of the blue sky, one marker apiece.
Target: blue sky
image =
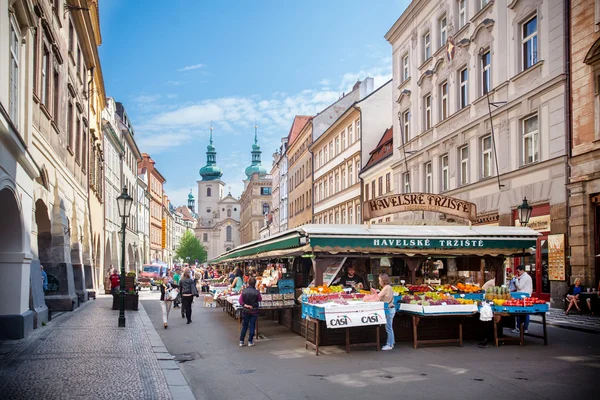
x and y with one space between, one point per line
178 65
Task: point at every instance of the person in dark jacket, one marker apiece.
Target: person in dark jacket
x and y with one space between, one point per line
188 290
249 300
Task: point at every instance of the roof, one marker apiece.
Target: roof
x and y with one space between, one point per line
186 212
299 122
383 150
385 240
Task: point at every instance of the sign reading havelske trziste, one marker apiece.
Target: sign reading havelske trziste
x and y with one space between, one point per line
391 204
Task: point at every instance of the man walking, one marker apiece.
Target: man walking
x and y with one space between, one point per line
524 284
249 300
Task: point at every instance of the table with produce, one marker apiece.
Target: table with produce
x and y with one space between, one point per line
338 308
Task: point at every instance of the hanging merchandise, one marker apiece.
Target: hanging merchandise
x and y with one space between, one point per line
485 312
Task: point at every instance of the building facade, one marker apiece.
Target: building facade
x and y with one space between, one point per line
143 215
155 185
300 173
255 202
283 185
168 249
584 160
218 215
274 226
451 58
376 175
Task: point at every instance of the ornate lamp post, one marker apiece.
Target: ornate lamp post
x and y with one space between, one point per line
124 203
524 212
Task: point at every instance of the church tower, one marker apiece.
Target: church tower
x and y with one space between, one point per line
191 202
256 167
210 187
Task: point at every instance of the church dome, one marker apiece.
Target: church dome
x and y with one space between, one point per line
256 167
211 172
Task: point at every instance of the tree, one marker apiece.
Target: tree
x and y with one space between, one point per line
190 247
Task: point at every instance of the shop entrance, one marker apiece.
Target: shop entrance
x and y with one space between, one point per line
536 265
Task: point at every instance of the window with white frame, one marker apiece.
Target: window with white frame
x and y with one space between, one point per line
350 136
486 156
464 88
426 47
444 105
358 220
530 42
337 182
366 191
388 182
326 188
316 193
45 81
530 140
14 71
427 111
486 78
428 178
350 214
357 123
463 154
321 157
405 68
326 154
331 150
406 126
343 178
321 193
483 3
337 217
462 13
343 216
337 145
343 140
445 183
357 170
406 182
331 185
373 189
380 185
443 31
350 176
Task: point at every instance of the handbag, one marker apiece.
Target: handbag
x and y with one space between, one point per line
195 291
171 294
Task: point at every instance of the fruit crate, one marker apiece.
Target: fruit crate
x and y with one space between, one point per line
286 284
286 290
518 295
469 296
541 307
514 309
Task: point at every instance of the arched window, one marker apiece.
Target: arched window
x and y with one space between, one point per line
265 209
208 192
228 234
229 212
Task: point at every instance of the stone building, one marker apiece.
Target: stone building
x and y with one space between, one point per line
66 74
299 172
155 188
584 158
183 220
143 215
255 202
282 165
480 113
275 195
218 222
168 249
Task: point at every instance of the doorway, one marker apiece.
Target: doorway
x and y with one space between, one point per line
536 265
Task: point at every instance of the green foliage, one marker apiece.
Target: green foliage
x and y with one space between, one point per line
190 247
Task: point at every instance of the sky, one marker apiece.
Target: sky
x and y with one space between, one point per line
179 66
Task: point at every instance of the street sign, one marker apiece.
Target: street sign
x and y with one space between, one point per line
164 233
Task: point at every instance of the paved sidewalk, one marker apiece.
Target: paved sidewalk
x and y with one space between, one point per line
84 354
575 321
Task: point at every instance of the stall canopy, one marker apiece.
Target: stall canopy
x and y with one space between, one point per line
382 240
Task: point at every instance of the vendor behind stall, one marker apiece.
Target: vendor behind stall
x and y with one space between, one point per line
350 279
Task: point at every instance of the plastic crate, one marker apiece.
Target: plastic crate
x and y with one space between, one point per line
286 290
514 309
286 284
469 296
541 307
518 295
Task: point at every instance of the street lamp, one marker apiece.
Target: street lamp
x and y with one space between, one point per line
124 203
524 212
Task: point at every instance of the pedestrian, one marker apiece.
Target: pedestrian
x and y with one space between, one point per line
187 288
386 295
249 300
165 299
115 282
238 281
524 284
44 279
176 278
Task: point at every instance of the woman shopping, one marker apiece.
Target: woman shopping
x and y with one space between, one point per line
167 293
386 295
188 291
238 281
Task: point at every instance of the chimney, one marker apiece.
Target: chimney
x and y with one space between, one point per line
356 85
366 87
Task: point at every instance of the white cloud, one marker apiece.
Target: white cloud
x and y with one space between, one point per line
146 98
174 83
325 82
190 67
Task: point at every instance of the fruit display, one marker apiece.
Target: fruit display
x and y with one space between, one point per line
323 289
446 288
497 293
432 299
341 298
419 288
468 288
399 290
527 302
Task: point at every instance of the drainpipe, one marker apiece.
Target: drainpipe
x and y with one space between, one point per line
568 108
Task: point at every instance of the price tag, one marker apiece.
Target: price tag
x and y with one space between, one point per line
402 282
462 295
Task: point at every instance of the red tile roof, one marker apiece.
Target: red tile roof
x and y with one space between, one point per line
186 212
299 123
384 149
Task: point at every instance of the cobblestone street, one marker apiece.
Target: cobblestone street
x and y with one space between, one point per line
84 354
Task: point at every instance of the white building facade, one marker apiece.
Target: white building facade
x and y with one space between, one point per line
449 57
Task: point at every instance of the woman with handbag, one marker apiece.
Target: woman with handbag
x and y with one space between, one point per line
188 291
167 294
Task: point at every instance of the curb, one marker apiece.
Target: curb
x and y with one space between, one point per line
178 386
569 327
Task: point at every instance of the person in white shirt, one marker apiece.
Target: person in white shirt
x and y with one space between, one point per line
524 284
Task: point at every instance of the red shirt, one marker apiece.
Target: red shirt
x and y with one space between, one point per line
115 280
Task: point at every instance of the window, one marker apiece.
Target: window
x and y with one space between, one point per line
530 140
462 13
205 237
405 68
483 3
229 213
485 72
350 176
78 140
265 191
443 31
464 88
445 173
343 178
373 193
55 95
331 150
84 147
343 140
337 217
14 80
326 189
337 145
344 216
331 184
71 37
357 122
321 191
366 191
357 170
486 156
358 220
427 108
530 43
406 123
45 75
463 154
406 180
337 182
321 157
209 192
350 215
444 101
350 137
428 178
380 185
388 182
426 47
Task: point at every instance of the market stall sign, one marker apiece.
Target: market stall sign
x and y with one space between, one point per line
385 205
556 257
164 233
342 319
540 224
423 244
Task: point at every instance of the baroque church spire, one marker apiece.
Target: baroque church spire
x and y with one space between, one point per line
211 171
